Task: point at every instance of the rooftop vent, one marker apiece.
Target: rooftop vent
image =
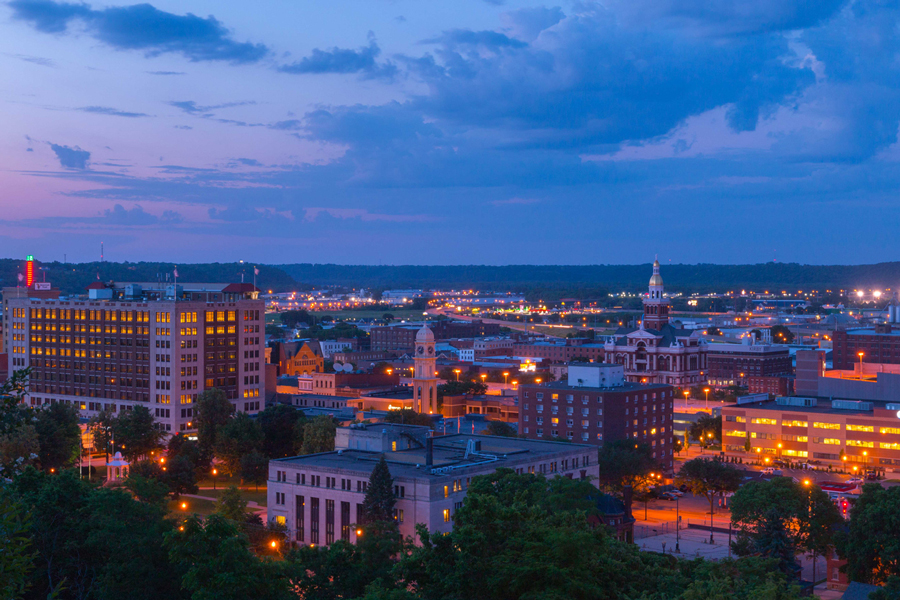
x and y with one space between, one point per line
851 405
795 401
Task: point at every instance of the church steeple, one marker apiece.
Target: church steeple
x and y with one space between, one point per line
656 307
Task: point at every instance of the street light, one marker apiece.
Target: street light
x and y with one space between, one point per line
706 391
483 377
687 393
860 354
214 472
505 378
537 380
457 371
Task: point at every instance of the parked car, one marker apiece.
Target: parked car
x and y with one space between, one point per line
769 471
670 496
872 476
683 488
677 492
855 480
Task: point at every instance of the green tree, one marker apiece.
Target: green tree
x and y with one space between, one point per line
19 443
708 478
292 318
211 412
871 544
459 388
254 468
378 504
231 505
277 423
59 436
318 435
626 462
101 428
147 489
766 515
180 476
19 448
136 434
220 563
713 331
387 317
238 437
408 416
782 335
706 429
499 428
17 557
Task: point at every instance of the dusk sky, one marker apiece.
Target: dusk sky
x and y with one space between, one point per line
451 131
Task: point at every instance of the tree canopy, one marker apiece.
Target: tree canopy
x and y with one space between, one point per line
871 544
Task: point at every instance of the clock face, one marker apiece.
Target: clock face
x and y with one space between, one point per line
420 349
430 350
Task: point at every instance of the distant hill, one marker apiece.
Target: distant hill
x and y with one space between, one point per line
758 277
535 280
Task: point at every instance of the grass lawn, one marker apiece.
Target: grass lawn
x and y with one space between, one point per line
194 506
249 494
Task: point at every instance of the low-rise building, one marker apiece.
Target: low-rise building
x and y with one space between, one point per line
735 364
319 497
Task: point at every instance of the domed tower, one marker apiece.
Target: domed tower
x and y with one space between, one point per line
656 307
424 379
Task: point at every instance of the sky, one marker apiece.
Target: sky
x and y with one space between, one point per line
451 131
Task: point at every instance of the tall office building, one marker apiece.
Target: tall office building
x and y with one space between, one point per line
149 345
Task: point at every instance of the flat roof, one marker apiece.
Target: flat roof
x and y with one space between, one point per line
449 451
871 331
824 407
628 386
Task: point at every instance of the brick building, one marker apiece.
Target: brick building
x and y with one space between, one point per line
139 345
402 338
775 386
596 405
735 364
879 344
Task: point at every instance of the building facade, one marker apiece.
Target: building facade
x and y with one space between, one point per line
736 364
844 433
879 344
154 348
596 405
319 497
657 352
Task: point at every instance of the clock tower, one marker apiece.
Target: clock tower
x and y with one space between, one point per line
424 379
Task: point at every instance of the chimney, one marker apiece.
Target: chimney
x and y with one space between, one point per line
429 451
627 494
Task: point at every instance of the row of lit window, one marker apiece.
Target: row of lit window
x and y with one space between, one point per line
141 316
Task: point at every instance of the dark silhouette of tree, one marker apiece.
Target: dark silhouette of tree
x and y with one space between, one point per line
378 504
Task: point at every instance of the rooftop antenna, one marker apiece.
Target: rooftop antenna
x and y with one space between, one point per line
101 251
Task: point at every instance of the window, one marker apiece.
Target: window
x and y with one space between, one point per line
830 441
863 428
736 433
795 438
795 423
860 444
446 514
763 421
891 430
826 425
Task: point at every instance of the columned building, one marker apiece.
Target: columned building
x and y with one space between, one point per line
424 379
655 351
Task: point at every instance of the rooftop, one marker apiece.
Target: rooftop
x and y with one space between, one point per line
449 452
628 386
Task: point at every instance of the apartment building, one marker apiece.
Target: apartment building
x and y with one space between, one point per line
596 405
319 497
140 345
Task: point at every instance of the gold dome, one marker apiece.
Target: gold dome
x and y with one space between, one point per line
656 280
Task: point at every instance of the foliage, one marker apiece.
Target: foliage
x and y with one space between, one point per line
220 564
713 331
708 477
625 462
278 423
59 436
781 334
236 438
704 426
292 318
500 428
181 476
100 427
318 435
94 542
408 416
212 411
254 467
871 544
147 489
17 556
378 504
135 434
231 505
459 388
19 447
750 578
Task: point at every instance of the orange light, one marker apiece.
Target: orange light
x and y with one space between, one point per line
215 472
183 505
274 544
359 532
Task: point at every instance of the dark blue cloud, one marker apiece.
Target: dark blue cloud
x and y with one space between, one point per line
487 39
71 158
165 72
136 216
142 27
106 110
343 61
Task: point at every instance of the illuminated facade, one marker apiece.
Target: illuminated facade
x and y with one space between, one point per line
424 378
655 351
148 349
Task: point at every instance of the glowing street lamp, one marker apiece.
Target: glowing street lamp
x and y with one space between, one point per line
457 371
214 473
706 391
505 377
483 377
860 354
